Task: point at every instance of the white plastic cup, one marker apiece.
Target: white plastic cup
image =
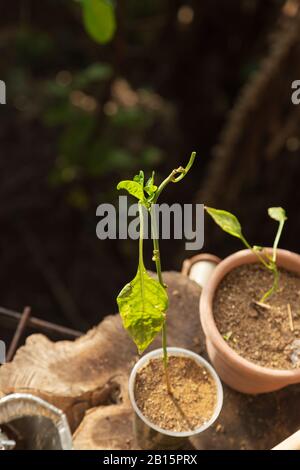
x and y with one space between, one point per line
150 436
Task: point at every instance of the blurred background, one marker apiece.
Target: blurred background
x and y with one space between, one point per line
97 90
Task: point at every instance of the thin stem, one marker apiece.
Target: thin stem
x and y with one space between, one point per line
141 240
156 257
278 235
156 252
274 286
266 265
165 352
171 178
271 267
274 266
186 169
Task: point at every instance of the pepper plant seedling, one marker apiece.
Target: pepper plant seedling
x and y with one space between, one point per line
230 224
143 302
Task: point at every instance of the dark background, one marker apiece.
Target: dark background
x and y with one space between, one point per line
178 76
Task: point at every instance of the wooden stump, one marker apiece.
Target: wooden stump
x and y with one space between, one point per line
88 379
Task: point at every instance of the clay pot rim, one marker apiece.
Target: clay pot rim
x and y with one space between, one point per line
239 258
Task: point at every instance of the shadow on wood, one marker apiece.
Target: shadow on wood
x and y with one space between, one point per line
87 379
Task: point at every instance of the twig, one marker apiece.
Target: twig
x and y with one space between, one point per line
290 317
261 305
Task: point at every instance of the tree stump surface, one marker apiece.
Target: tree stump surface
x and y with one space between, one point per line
87 378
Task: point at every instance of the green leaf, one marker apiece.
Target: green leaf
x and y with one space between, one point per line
277 213
227 221
150 187
142 306
140 178
227 335
99 19
134 188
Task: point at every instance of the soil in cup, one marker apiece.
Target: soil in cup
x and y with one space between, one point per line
193 395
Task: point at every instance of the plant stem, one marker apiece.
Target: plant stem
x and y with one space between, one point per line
271 266
274 286
141 240
185 170
277 238
261 259
156 252
171 178
165 358
156 256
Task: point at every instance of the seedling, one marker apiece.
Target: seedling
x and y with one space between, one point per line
144 301
230 224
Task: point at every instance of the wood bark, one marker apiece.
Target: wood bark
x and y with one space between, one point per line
87 378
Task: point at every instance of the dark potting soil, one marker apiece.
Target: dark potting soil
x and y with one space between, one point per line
268 336
191 402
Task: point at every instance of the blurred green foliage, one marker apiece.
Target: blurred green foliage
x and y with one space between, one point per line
102 124
81 115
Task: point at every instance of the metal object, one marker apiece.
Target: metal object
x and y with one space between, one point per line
9 318
34 423
5 443
18 333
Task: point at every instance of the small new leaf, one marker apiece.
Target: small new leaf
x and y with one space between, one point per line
277 213
227 335
132 187
227 221
150 187
139 178
142 306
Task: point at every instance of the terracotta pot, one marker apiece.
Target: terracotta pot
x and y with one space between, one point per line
237 372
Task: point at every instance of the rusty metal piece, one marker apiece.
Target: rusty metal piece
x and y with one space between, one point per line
18 333
11 317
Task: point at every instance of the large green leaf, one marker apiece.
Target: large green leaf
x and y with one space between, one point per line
227 221
133 187
142 305
99 19
277 213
